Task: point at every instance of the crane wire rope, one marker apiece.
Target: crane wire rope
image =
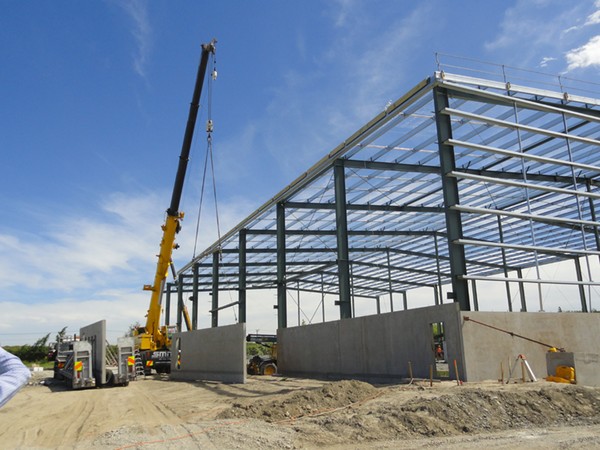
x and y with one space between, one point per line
209 155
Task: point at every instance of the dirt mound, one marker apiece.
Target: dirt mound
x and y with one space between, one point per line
477 410
304 403
464 411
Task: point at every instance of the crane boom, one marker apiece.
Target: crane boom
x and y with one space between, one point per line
154 337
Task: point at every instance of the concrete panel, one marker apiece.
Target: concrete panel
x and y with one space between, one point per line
373 348
95 333
486 349
215 354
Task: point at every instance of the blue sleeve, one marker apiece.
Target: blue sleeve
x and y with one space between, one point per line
13 376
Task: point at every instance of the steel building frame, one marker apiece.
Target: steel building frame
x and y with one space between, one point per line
460 180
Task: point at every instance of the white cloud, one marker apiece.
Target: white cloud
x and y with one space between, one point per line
77 252
545 60
585 56
142 32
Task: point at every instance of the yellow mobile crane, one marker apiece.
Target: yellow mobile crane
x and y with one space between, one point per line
153 340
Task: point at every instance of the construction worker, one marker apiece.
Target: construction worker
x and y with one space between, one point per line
439 354
13 376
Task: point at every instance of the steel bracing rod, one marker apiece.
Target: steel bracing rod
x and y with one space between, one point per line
534 217
539 187
528 156
517 126
531 280
228 305
549 250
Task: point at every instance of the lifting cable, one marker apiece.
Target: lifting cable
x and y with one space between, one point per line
209 155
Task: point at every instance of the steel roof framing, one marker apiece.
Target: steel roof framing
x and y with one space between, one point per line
461 179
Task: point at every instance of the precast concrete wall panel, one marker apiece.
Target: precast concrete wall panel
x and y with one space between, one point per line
487 350
213 354
373 348
95 333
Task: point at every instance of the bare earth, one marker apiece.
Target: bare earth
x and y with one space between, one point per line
279 413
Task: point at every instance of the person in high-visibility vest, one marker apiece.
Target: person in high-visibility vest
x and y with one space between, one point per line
13 376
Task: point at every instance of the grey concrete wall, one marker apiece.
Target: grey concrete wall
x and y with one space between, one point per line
486 349
372 348
215 354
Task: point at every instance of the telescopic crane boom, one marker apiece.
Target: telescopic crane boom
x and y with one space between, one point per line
153 337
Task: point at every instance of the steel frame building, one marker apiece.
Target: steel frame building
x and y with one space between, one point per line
460 180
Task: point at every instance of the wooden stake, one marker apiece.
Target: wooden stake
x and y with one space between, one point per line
431 376
501 372
456 371
410 373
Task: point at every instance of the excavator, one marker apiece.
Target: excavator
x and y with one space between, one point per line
153 340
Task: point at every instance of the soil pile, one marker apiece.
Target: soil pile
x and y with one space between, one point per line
308 402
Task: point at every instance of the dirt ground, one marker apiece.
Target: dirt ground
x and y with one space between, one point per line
279 413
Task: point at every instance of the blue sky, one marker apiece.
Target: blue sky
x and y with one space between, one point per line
95 98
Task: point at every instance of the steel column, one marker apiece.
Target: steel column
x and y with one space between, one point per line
581 286
456 252
179 301
194 297
475 299
242 276
522 291
168 304
507 284
437 264
343 253
389 267
281 268
215 291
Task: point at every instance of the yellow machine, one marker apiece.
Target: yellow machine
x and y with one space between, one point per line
153 340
